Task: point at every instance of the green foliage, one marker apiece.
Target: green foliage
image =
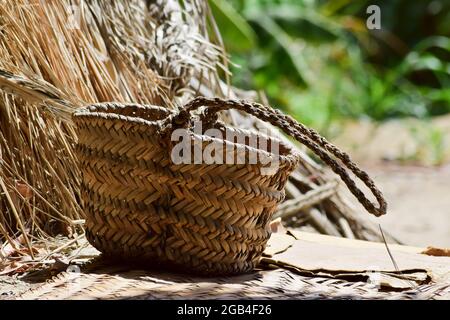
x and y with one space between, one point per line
430 144
317 59
235 28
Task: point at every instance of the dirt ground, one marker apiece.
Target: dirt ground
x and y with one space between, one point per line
419 203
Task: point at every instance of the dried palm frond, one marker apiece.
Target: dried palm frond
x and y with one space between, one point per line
63 54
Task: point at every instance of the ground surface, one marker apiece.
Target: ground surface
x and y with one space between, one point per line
419 203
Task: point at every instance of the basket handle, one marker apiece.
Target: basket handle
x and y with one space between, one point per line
308 137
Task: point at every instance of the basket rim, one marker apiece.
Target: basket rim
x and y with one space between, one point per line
108 111
103 109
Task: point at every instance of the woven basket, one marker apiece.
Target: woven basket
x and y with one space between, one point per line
206 218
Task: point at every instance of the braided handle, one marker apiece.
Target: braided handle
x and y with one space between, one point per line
308 137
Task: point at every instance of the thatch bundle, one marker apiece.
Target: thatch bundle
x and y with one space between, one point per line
57 55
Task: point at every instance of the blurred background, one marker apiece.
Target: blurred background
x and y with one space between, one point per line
383 95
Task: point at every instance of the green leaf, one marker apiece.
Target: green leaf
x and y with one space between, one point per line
415 62
291 12
438 95
433 42
292 49
237 33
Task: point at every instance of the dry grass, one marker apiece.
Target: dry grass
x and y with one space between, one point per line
74 53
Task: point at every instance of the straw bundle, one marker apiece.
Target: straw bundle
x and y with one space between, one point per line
62 54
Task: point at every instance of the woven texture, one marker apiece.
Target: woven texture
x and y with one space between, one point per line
209 218
110 283
206 218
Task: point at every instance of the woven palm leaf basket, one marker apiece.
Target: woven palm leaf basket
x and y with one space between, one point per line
208 216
